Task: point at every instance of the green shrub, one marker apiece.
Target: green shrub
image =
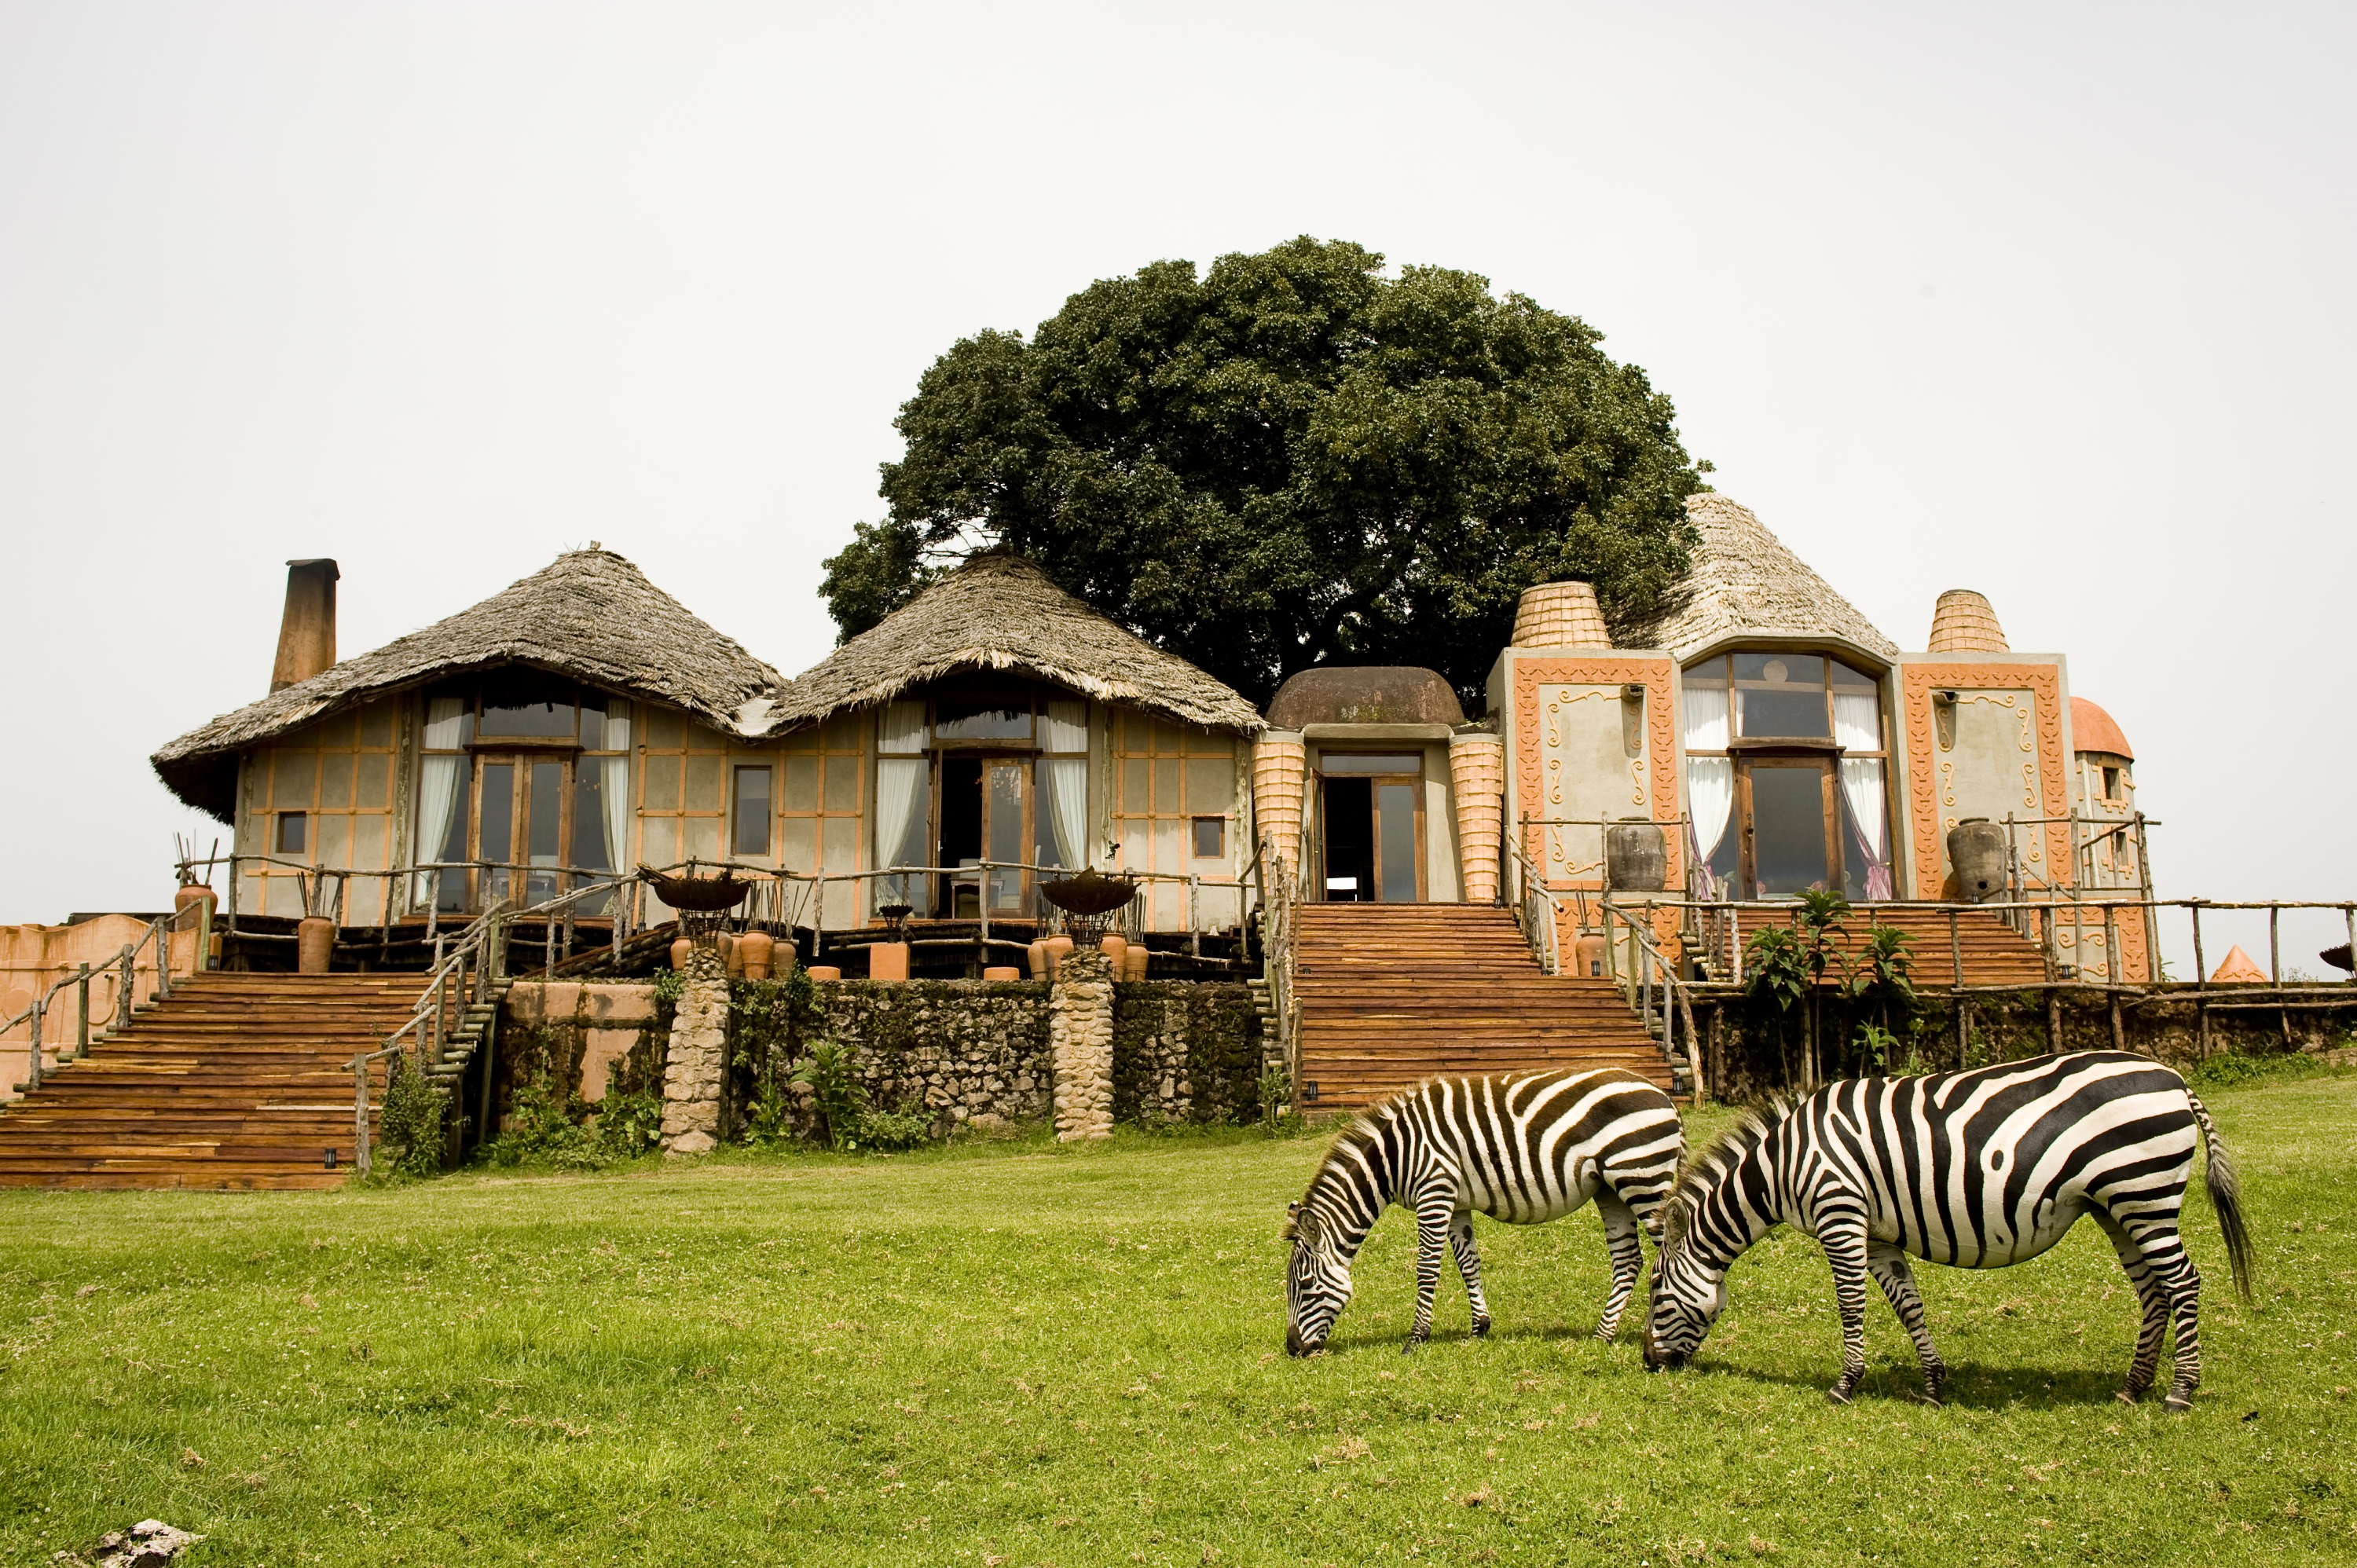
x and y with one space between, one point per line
629 1124
2233 1069
541 1129
887 1130
831 1071
409 1126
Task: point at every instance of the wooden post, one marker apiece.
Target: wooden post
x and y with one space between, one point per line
1694 1050
129 963
1734 940
2054 1018
2200 984
360 1113
33 1071
1718 1037
2111 973
1195 917
81 1012
2275 944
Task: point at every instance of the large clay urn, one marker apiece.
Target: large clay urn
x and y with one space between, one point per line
1134 963
755 952
314 944
1116 951
1636 858
679 951
887 961
1976 849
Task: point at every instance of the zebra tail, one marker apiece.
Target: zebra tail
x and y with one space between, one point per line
2225 1198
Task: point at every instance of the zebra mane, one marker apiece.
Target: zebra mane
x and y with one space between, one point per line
1358 1135
1698 1170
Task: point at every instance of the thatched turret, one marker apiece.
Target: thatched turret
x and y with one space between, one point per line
1002 613
1560 615
1966 622
590 615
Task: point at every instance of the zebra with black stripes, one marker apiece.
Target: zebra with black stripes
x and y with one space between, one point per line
1977 1170
1524 1147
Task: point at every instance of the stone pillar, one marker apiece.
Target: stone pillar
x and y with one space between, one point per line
1080 1044
1476 767
698 1060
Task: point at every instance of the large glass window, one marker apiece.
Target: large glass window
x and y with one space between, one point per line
1736 709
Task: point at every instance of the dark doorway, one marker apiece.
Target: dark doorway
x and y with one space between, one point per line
960 899
1788 811
1348 809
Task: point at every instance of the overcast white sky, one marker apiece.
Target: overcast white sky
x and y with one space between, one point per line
2048 301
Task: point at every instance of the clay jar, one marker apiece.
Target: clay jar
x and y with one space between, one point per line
887 961
1116 952
824 972
1035 956
1134 963
1002 971
679 951
314 944
1587 955
1058 946
755 952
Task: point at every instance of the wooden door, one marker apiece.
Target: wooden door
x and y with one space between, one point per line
522 806
1790 814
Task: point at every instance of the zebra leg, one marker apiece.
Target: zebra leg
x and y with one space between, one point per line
1627 1261
1469 1267
1433 1213
2185 1314
2151 1295
1844 1248
1888 1266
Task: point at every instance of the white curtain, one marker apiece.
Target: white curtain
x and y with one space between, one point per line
1705 717
899 795
902 732
445 722
614 788
1064 726
1068 808
1857 720
1861 780
437 799
1710 781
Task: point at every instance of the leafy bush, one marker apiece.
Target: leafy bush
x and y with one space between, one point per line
540 1129
409 1127
629 1124
891 1130
831 1073
2233 1070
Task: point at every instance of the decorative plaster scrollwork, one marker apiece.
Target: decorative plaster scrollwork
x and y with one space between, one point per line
1656 675
2042 718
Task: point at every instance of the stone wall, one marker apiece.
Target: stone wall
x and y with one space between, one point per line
968 1051
1184 1052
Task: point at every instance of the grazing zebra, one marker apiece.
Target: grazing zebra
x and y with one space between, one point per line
1977 1170
1524 1147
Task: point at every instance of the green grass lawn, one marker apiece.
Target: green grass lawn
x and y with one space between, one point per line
1020 1354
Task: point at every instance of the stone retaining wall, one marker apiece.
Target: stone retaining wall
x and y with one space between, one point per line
969 1052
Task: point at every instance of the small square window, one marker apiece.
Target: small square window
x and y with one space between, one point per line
294 832
2111 783
1210 837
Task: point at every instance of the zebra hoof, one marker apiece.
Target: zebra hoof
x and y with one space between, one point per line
1480 1328
1409 1349
2178 1400
1930 1397
2129 1396
1838 1393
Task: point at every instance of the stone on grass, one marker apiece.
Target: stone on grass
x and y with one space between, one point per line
150 1544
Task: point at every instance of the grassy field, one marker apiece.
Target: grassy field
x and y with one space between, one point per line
1018 1355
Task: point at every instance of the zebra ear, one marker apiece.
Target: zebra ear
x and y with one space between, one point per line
1292 1230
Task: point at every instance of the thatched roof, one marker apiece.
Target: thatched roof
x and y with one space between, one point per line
1745 582
1001 613
591 614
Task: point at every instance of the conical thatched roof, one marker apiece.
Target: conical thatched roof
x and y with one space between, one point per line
1745 582
1000 612
591 614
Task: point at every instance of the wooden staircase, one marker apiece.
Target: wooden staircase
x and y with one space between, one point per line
1993 953
235 1081
1391 993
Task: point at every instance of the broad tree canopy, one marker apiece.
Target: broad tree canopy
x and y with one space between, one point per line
1292 461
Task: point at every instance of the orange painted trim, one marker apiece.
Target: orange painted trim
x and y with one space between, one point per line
1656 675
2044 682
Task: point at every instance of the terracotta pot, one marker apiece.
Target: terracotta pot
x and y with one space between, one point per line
1036 957
314 944
1587 956
755 951
1116 952
824 972
1134 963
887 961
195 893
679 951
1279 773
732 957
1002 971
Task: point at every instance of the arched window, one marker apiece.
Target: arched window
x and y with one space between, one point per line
1787 775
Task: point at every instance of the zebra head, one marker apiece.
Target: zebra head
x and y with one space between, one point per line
1686 1297
1317 1282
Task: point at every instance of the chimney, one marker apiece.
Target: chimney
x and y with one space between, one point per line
1963 622
306 631
1560 615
